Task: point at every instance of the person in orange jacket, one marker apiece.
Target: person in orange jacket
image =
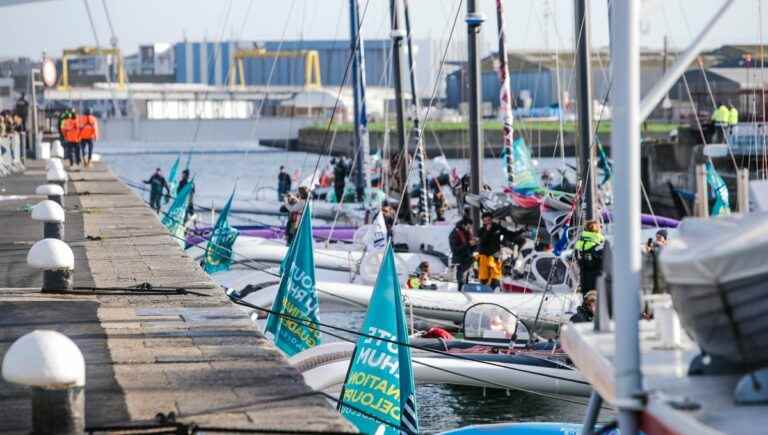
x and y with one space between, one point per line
71 130
89 131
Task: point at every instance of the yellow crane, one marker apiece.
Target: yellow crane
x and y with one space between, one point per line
78 52
311 64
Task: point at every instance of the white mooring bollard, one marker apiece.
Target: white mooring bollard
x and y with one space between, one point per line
57 175
57 151
56 260
54 163
51 214
54 367
54 192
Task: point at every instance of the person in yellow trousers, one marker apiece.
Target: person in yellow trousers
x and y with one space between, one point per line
490 237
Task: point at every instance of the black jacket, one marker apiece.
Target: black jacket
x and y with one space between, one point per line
490 240
582 315
461 250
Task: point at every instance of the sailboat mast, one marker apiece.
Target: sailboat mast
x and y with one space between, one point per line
505 96
584 90
362 141
397 35
625 70
474 23
416 133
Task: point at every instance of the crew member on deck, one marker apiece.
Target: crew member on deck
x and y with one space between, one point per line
462 250
489 249
340 172
589 254
283 183
157 184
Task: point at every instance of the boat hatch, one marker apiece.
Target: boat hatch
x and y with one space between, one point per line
494 323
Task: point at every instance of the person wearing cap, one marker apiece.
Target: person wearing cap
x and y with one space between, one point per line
589 255
157 184
462 250
658 242
586 311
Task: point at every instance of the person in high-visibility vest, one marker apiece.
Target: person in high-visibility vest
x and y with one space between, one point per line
71 130
719 122
589 255
89 131
733 116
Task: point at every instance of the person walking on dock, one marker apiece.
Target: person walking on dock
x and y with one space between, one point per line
462 250
157 184
283 183
191 201
490 236
71 130
589 255
89 132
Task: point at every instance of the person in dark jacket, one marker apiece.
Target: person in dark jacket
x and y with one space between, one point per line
22 109
157 184
462 250
191 202
586 311
340 172
283 183
490 237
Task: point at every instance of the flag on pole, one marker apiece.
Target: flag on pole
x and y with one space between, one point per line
218 253
174 217
296 295
380 378
719 191
172 174
377 235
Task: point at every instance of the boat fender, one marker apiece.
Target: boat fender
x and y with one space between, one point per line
437 332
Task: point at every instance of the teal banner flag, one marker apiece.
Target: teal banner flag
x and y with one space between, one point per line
297 296
380 379
719 191
174 217
524 173
172 175
218 254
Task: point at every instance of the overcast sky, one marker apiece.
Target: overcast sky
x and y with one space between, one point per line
533 24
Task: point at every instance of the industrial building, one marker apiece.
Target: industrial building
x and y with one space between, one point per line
212 63
536 77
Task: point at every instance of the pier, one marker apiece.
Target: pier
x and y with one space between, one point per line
189 352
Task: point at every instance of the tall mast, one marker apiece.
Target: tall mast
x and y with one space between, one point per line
625 136
397 34
584 90
362 140
416 133
505 96
474 23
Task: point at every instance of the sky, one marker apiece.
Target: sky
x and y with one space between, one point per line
28 29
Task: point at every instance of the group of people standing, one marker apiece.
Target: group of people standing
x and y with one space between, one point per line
79 132
723 119
485 246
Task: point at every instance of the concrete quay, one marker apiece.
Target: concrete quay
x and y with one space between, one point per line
195 354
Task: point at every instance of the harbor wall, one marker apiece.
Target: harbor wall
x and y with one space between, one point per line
203 130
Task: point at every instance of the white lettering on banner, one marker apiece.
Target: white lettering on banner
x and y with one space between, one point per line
380 360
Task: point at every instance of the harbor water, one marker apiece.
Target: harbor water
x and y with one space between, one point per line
217 168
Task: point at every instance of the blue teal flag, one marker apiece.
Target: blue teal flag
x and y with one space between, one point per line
172 183
297 296
719 191
218 254
604 164
380 379
524 174
174 217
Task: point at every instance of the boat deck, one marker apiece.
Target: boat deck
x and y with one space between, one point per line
677 403
196 354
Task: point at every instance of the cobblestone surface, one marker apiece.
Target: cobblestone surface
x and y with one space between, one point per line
196 355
